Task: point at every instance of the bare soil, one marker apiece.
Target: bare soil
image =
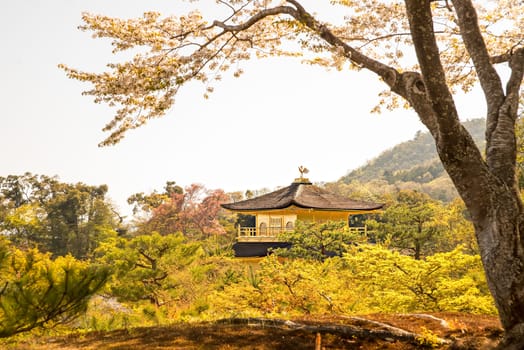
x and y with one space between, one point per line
378 331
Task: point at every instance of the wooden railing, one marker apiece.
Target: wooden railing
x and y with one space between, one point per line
270 234
247 231
254 234
362 230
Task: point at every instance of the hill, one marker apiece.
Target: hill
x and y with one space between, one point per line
414 163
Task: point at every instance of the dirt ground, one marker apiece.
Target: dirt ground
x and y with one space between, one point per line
402 331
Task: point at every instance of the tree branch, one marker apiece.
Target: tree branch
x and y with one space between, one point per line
387 73
516 63
409 85
151 260
476 47
500 123
255 19
427 51
456 148
301 15
505 57
501 149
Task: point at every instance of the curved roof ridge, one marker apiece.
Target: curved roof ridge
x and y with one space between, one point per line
304 195
298 192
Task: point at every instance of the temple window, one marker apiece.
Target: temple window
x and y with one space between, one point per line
275 225
263 229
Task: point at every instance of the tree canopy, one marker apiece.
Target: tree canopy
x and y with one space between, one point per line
61 218
375 35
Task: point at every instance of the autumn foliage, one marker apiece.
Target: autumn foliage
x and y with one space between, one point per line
192 212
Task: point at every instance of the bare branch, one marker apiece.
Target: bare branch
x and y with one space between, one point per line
228 5
209 59
382 37
234 11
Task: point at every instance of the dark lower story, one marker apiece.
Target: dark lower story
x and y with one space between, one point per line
257 249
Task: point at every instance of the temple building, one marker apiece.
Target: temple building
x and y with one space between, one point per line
276 212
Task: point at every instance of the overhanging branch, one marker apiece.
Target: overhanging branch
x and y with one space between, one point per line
474 42
255 19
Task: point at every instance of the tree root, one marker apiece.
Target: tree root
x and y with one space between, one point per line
388 327
513 339
442 321
383 331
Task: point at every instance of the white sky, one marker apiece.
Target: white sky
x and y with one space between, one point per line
252 133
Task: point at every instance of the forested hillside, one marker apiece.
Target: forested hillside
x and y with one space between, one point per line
413 164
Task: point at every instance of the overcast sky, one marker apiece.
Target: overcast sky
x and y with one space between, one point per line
252 133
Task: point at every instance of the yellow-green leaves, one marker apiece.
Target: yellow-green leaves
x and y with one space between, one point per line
393 282
36 291
369 278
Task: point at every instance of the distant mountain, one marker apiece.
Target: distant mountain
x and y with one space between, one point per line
414 162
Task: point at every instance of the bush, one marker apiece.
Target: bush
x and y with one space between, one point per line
39 292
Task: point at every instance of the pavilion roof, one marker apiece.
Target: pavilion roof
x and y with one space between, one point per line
302 194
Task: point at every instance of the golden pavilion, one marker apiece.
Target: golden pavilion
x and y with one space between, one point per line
276 212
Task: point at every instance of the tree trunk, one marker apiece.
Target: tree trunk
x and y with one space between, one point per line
493 200
494 204
502 255
488 187
417 249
